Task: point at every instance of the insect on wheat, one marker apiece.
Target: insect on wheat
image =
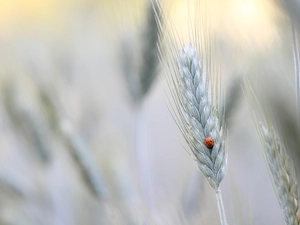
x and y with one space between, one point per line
194 83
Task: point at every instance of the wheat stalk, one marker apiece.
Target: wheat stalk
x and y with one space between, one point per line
140 80
189 73
198 119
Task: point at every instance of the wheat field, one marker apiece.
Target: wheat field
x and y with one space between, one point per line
89 129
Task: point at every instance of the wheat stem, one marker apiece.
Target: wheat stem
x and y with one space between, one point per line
297 66
221 207
142 158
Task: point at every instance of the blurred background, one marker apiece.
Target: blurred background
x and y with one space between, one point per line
81 91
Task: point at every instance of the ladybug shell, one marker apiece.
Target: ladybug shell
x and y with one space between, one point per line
209 142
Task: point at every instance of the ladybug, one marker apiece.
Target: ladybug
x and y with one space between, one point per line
209 142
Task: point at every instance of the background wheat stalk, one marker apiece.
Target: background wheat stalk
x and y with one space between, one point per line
281 171
283 179
297 65
140 68
146 75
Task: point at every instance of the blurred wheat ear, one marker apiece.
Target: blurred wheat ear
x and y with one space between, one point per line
281 171
25 120
9 185
283 178
140 78
291 8
288 130
149 66
78 150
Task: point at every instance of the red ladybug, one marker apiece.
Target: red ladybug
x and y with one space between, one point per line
209 142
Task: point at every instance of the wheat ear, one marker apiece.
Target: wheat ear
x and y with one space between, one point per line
284 183
198 118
